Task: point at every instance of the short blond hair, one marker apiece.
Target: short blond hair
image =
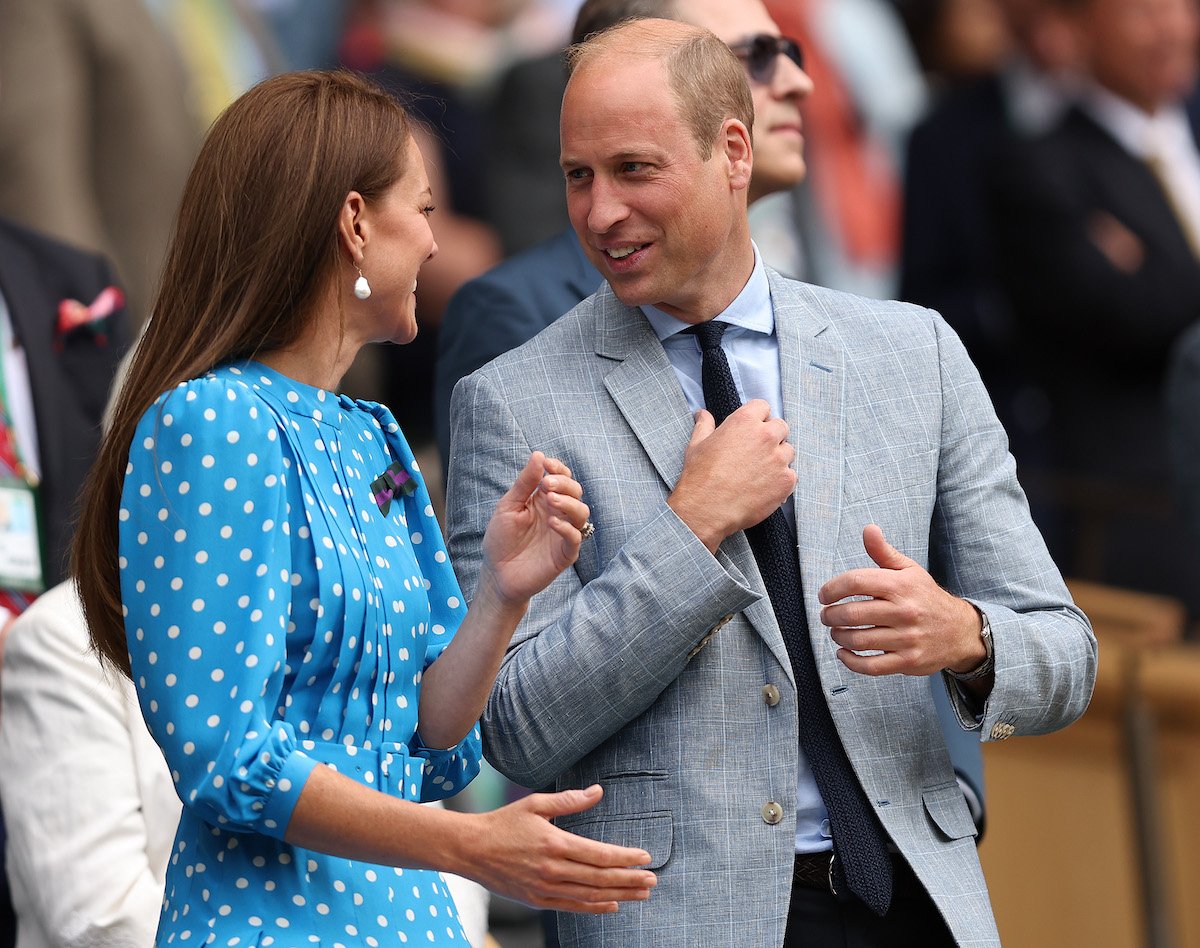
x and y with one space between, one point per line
705 77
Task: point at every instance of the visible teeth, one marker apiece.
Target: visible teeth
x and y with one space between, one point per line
619 253
414 289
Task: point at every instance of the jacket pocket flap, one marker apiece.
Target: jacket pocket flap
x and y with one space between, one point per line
948 809
651 832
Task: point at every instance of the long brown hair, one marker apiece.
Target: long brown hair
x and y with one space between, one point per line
255 246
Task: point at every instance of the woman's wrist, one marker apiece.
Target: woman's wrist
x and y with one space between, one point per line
491 600
459 836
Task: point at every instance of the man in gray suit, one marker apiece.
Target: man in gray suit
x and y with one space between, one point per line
757 717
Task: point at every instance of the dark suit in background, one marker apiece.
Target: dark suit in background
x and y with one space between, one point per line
69 378
949 253
948 256
1096 332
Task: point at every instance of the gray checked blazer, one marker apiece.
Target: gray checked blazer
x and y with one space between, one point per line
643 668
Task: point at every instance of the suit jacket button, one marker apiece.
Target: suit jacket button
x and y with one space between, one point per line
772 813
770 695
1003 731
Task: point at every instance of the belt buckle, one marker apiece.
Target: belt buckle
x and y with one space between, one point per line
832 861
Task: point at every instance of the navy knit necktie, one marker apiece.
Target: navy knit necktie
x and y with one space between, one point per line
858 838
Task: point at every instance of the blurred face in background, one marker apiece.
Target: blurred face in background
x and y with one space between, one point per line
778 135
1042 30
1143 50
971 38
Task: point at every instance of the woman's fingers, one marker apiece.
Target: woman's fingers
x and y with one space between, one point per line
563 485
555 466
569 508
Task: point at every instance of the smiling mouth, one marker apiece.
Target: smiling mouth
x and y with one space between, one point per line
620 253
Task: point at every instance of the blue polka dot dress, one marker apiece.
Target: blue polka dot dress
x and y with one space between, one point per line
280 611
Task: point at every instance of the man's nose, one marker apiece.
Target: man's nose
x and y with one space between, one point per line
608 207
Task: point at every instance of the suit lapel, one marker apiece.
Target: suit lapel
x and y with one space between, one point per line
812 375
643 384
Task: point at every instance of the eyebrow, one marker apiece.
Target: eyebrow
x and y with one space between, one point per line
641 155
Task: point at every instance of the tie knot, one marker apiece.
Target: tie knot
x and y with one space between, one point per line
709 334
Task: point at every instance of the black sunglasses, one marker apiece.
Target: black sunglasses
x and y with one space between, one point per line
759 53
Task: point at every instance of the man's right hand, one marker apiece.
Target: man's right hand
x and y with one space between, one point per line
735 475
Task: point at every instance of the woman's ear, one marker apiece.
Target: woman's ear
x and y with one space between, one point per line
353 228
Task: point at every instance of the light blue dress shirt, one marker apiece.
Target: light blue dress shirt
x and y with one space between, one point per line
752 348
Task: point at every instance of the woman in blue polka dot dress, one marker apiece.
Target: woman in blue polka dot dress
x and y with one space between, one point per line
260 555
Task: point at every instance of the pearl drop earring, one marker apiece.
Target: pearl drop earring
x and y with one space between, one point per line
362 289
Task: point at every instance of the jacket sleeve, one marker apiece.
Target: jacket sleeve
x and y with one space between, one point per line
588 658
985 547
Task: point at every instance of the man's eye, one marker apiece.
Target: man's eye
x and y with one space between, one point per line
633 167
577 174
428 209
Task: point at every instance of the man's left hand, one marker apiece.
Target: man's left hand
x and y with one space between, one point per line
916 626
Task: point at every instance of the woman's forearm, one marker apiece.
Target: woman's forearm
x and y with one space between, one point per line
336 815
455 688
515 851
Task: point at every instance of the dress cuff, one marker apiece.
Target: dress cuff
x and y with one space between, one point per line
285 791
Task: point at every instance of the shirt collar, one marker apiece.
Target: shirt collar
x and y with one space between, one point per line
1140 133
750 309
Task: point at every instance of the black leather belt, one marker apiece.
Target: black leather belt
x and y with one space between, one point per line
820 871
816 871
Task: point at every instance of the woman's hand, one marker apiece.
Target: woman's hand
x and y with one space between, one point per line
520 854
534 533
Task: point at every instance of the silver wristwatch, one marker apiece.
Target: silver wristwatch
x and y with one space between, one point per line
988 664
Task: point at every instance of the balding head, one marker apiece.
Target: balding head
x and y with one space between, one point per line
706 79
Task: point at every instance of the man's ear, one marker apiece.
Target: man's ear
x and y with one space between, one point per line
353 226
739 153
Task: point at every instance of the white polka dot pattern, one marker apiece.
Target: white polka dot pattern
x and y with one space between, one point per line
277 621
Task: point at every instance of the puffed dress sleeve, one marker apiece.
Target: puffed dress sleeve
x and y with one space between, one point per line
205 582
446 771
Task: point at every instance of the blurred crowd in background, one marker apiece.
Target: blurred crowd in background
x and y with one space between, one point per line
1029 168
